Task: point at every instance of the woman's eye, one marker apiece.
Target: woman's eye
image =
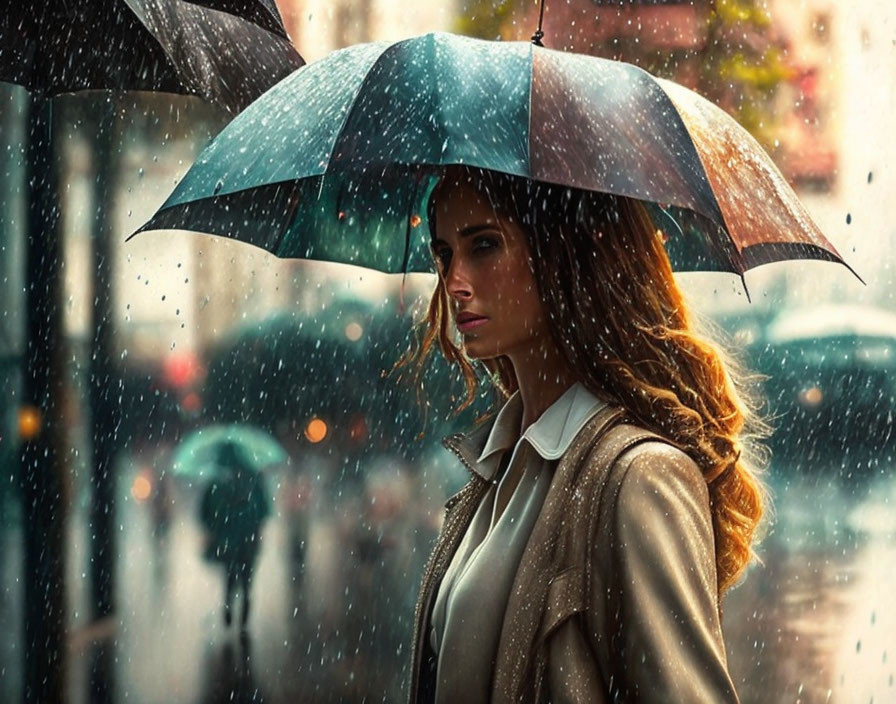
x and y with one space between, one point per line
484 243
480 244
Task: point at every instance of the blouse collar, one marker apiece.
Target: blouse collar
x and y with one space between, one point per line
550 436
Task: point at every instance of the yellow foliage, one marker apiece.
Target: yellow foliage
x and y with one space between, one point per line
735 11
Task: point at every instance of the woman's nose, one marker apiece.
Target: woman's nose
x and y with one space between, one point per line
457 282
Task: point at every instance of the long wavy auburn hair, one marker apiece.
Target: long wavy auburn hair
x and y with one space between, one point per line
619 319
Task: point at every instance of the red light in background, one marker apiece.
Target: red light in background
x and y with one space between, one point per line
358 428
191 402
181 370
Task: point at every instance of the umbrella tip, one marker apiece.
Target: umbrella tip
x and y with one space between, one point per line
854 273
401 303
743 282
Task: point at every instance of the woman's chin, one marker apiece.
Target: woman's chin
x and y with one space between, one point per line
476 348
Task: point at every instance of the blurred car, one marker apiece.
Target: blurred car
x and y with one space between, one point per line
831 380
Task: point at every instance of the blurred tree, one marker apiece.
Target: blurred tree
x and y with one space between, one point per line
724 49
742 64
488 19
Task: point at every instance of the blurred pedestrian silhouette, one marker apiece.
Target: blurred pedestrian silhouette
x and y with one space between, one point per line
161 505
234 506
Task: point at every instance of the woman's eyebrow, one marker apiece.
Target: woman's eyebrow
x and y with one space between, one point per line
467 232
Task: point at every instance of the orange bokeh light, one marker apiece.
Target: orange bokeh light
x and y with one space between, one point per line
30 422
811 396
141 489
353 331
316 430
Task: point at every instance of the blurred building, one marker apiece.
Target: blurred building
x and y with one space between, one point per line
318 27
808 154
837 140
666 36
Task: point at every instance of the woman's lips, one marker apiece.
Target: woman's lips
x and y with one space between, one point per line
470 324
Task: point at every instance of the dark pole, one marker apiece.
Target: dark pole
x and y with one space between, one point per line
44 456
104 380
539 34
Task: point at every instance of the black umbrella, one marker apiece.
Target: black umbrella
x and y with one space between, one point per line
264 13
227 52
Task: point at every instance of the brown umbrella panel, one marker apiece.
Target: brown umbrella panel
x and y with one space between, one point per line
765 218
610 126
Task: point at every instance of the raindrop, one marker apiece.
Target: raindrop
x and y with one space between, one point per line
849 218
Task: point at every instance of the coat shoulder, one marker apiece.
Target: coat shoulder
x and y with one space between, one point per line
636 449
658 478
656 460
652 470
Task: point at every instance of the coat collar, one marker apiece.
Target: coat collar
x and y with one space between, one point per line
550 436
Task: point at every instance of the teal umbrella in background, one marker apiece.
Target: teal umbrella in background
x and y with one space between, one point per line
205 451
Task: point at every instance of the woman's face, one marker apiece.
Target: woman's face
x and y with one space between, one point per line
483 260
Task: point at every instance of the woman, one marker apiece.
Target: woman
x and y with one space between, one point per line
610 505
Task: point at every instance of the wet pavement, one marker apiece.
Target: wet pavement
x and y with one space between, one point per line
814 623
308 633
170 643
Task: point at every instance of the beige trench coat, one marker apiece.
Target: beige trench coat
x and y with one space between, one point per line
615 597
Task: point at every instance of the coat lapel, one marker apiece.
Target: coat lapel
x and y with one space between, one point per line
526 604
459 510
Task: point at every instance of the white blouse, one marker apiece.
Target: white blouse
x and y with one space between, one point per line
469 608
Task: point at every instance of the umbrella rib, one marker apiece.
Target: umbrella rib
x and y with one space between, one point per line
151 32
529 132
293 203
437 111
